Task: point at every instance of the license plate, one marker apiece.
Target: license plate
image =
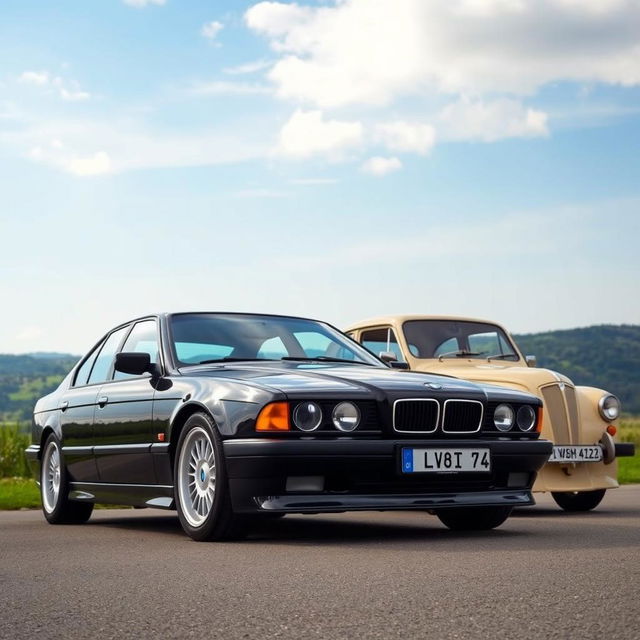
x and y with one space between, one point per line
577 453
445 460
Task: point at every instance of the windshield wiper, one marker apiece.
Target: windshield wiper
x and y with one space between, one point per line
460 354
232 359
500 356
326 359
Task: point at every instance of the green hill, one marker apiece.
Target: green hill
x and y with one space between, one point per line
24 378
605 356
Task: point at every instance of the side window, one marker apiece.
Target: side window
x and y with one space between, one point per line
378 340
83 371
142 339
102 366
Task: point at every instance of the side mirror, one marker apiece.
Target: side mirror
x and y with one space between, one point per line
133 363
531 361
388 356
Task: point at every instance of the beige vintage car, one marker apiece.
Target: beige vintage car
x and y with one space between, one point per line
581 421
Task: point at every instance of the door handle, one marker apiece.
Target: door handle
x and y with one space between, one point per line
63 405
102 400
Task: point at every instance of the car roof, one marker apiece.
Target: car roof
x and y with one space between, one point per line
399 319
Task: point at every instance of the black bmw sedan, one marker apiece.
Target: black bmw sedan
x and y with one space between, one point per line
227 417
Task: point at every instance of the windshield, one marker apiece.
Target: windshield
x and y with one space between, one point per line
457 339
216 337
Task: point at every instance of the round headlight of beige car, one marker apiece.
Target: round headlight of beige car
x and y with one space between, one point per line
307 416
526 417
346 416
503 417
609 407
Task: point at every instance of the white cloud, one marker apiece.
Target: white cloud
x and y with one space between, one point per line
223 87
38 78
248 67
139 4
373 52
313 181
55 153
307 133
210 30
412 137
84 147
490 121
73 96
66 89
379 166
92 165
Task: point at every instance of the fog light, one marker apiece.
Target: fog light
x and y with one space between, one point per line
519 479
305 483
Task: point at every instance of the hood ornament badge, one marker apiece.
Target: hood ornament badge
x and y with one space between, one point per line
433 385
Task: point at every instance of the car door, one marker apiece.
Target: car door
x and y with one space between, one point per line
77 408
123 422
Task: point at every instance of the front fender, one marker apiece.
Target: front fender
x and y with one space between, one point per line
592 425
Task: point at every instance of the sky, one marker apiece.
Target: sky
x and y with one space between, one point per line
338 160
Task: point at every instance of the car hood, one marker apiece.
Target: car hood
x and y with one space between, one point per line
292 377
523 378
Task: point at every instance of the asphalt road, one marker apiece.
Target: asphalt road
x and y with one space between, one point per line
132 574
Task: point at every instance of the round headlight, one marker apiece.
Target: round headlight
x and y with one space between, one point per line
503 417
526 417
346 416
307 416
609 407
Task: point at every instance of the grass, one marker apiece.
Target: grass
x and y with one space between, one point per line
629 468
19 493
13 442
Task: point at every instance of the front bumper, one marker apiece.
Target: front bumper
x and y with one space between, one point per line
625 449
365 475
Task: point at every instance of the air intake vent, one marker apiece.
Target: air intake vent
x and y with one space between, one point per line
462 416
416 416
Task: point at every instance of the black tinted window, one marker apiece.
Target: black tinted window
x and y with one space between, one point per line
379 340
83 371
457 338
201 337
142 339
102 367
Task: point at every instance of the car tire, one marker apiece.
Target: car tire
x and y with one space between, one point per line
578 500
473 518
201 487
54 488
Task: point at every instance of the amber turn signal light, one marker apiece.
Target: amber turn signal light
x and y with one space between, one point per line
539 425
611 430
274 417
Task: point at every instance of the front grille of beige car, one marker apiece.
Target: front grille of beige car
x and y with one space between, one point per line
562 410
